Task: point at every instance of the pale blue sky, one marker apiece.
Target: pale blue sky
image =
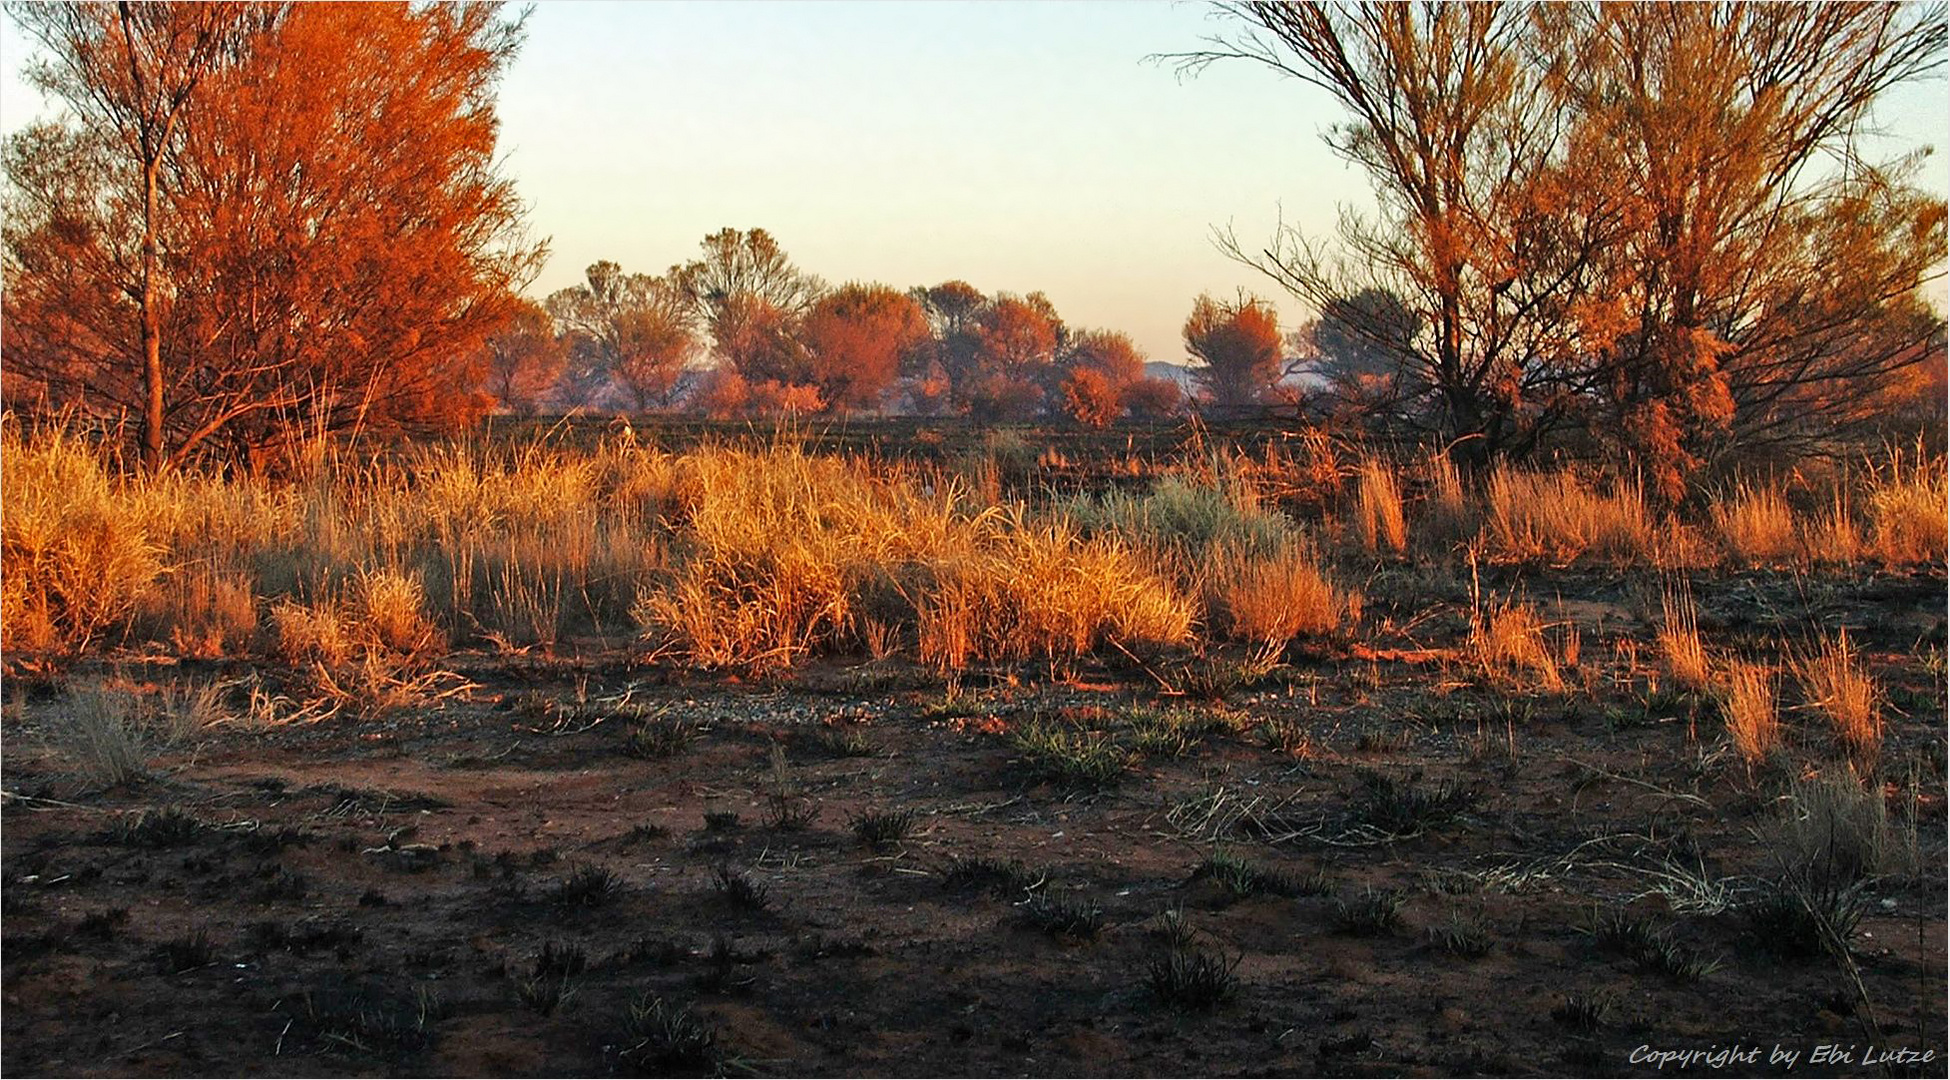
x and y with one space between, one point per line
1019 146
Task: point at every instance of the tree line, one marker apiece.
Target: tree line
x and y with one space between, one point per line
741 331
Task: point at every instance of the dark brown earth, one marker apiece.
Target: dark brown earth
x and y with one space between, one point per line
375 896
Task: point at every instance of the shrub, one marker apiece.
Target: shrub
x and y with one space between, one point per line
77 559
102 734
1184 518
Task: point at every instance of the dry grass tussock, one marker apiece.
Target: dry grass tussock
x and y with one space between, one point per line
784 554
1557 517
1748 702
1906 501
1378 517
1756 525
1834 683
1510 645
1680 648
1270 599
77 562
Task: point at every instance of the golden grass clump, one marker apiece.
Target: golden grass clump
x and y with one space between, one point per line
1679 642
1270 599
311 633
780 545
1832 680
1043 591
1378 508
77 561
1756 525
1906 504
1832 537
391 612
1753 721
1556 517
203 610
1509 643
1446 514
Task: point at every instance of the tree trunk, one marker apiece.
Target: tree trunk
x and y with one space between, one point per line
152 372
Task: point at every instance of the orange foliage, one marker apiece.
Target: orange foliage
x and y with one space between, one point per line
1239 343
339 243
858 335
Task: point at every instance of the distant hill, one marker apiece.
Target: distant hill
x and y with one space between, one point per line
1178 373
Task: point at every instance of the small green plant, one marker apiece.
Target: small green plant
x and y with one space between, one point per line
1193 979
1651 947
1009 879
1069 757
1241 878
1285 735
669 1039
1458 937
164 828
740 891
1166 733
1805 913
658 736
1581 1012
784 810
103 924
1063 915
588 886
1370 913
186 953
1402 808
842 742
883 829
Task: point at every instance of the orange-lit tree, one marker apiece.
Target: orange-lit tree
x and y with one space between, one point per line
1238 346
524 360
332 242
1653 221
1015 341
858 338
633 333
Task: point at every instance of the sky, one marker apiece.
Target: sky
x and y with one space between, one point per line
1017 146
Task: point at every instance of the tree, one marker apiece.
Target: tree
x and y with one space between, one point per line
128 72
1238 344
1766 282
1015 341
1154 398
1110 353
1091 398
1619 216
858 337
1357 349
330 244
1452 126
524 360
632 331
750 296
